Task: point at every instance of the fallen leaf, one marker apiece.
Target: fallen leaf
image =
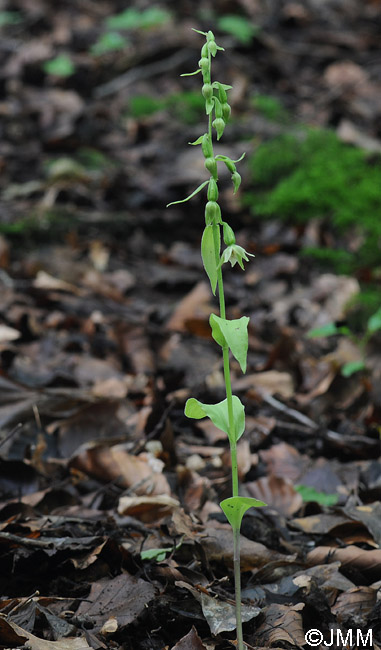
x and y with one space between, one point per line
355 605
11 632
146 508
368 562
271 381
283 623
277 493
190 641
123 598
220 615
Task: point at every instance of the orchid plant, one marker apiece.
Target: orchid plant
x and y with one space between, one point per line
230 335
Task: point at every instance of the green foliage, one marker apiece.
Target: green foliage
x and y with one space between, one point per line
61 66
373 325
134 19
109 42
319 176
270 107
310 494
235 507
232 333
144 105
185 106
219 414
10 18
238 26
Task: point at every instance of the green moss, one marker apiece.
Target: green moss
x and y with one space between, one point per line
319 176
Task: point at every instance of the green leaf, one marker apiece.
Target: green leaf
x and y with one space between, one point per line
209 104
196 191
348 369
374 322
208 255
190 74
226 158
133 19
234 333
157 554
10 18
310 494
198 141
238 26
61 66
325 330
109 42
198 31
235 507
219 415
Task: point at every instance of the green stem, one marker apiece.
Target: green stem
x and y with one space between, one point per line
232 436
237 587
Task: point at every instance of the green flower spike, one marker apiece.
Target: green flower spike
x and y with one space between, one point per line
234 254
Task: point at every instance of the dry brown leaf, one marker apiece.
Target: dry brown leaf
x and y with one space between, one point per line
369 562
190 641
123 597
219 548
196 304
271 381
147 509
283 623
141 473
355 605
277 493
10 632
44 280
284 461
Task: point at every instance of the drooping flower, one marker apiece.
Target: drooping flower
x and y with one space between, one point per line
234 254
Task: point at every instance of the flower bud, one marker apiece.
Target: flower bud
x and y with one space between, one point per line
222 94
212 213
209 36
229 236
212 190
206 146
226 110
236 178
212 47
219 125
211 166
204 51
204 65
207 91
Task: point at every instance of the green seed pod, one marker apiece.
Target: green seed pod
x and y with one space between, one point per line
209 36
230 165
226 110
212 47
212 190
211 166
219 125
236 178
206 146
212 213
229 236
207 91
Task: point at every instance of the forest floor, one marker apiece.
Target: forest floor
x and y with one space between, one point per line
111 535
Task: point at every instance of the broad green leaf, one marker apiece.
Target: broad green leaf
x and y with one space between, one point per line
235 507
310 494
325 330
234 333
208 255
351 367
374 322
219 415
196 191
